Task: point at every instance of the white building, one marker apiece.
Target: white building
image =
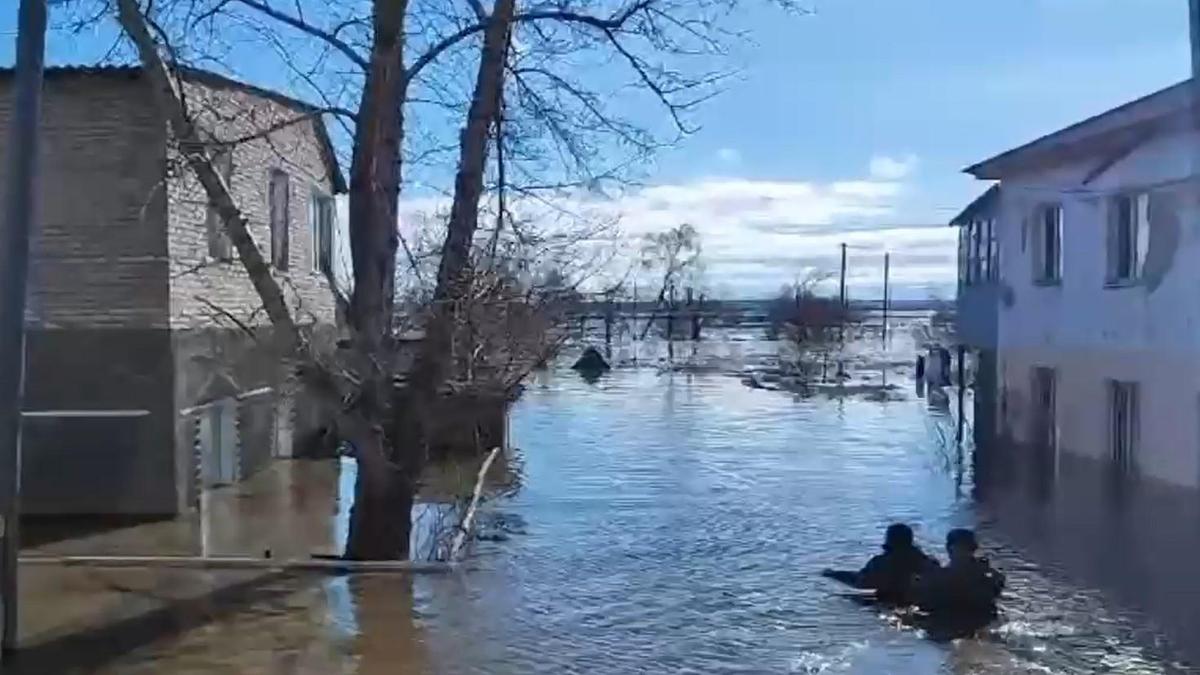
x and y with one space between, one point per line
1080 290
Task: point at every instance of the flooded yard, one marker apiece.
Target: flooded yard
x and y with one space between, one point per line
663 522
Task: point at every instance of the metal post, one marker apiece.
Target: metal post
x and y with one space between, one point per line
962 390
19 217
842 299
608 322
671 323
886 300
842 282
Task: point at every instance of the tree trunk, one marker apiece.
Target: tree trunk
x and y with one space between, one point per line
380 523
380 520
381 517
375 172
431 367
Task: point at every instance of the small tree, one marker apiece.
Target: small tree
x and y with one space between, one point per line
811 326
673 256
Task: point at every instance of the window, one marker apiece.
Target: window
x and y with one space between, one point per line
219 245
1128 237
278 203
1045 425
993 252
321 229
1123 424
978 256
1047 244
977 269
962 256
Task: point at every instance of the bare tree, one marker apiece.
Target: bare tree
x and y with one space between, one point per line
811 326
391 73
671 255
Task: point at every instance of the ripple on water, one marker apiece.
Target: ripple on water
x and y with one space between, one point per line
677 524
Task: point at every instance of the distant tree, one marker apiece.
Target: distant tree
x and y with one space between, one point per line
674 257
811 326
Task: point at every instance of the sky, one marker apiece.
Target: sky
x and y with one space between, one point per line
852 123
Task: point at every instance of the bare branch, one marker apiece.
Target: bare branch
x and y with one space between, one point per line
303 26
284 124
226 314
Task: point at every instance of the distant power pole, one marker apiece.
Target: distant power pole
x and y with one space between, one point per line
842 283
842 299
19 216
886 299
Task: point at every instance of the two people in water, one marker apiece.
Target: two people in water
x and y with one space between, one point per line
965 591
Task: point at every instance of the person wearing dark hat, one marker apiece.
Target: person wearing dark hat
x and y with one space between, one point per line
965 591
891 573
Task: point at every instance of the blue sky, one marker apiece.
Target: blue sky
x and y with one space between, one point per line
854 122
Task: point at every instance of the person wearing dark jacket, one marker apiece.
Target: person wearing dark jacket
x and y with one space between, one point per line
963 594
891 573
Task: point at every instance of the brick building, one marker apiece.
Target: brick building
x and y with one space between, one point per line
143 384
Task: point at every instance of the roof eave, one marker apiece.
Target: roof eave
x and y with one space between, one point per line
1146 109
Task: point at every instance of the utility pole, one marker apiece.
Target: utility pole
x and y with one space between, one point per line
886 300
19 216
842 299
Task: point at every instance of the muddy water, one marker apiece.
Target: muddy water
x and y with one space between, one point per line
669 523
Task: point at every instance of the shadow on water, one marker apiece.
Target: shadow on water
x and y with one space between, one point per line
1137 540
669 522
91 649
42 530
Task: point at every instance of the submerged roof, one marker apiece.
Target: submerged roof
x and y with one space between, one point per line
213 80
1116 128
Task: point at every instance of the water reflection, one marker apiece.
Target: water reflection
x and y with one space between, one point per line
675 522
1135 539
672 522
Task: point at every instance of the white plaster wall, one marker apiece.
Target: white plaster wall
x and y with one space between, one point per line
1168 446
1092 333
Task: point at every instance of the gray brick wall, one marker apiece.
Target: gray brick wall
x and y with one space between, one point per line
117 263
295 149
99 257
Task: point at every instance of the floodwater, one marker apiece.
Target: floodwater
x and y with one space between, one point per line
668 523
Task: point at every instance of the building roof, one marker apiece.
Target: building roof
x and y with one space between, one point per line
1114 130
981 204
212 79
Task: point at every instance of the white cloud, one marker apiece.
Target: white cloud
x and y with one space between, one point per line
758 234
885 167
729 155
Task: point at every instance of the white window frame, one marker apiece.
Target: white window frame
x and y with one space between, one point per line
1047 229
1128 238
